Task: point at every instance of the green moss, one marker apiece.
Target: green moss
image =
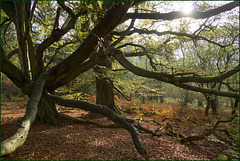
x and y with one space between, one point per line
206 90
173 79
208 77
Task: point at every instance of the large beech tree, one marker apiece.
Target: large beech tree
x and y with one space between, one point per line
39 82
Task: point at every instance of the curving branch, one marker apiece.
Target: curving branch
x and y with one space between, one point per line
229 87
66 8
65 79
57 33
133 54
218 78
144 49
103 110
5 20
178 81
56 21
56 52
8 8
119 91
12 72
191 36
15 51
87 48
12 143
208 132
206 90
123 34
178 14
55 36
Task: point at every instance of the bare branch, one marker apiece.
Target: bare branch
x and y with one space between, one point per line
15 51
56 22
55 36
56 51
177 81
66 8
32 10
123 34
191 36
178 14
229 87
12 72
144 49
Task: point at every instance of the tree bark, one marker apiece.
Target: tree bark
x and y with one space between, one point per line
104 89
46 112
235 107
12 143
212 102
21 28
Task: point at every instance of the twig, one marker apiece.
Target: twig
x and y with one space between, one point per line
172 118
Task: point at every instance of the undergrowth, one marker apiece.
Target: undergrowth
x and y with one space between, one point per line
189 116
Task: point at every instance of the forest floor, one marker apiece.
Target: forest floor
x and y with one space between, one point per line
79 141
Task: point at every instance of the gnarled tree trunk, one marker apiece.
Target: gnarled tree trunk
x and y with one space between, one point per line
104 88
46 112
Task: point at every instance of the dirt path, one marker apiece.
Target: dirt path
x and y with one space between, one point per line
75 141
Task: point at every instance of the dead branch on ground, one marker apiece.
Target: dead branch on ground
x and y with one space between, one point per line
205 133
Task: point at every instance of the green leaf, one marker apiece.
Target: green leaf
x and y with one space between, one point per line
222 157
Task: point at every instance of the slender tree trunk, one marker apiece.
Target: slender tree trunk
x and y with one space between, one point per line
200 103
208 106
185 98
161 99
213 104
235 107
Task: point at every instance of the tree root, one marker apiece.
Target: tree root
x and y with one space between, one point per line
79 120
